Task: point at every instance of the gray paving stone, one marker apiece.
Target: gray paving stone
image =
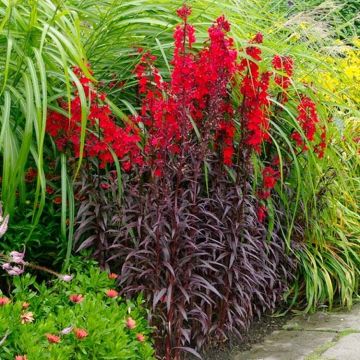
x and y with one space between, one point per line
340 320
347 348
324 335
287 345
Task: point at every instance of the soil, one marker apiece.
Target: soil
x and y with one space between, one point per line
259 329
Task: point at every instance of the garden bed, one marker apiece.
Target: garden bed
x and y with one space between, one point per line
173 172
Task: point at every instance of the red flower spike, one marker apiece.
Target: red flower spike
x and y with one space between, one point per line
307 119
66 131
284 64
270 178
184 12
254 88
321 147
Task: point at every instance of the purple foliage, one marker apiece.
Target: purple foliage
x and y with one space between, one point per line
202 259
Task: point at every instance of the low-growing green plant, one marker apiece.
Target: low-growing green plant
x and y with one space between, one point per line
81 319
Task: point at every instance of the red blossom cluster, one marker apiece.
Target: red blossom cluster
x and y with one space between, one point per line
307 119
254 88
321 146
197 91
102 133
270 177
184 12
220 61
261 213
196 96
80 333
4 300
157 114
284 64
31 175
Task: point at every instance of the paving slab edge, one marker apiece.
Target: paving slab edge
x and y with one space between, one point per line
316 354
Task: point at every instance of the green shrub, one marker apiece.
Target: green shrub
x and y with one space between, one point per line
109 334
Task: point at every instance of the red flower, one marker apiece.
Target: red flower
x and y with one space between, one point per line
261 213
113 276
270 177
21 357
76 298
284 64
30 175
184 12
321 147
258 38
80 333
112 293
102 96
225 134
158 172
130 323
256 104
228 154
4 301
140 337
105 186
299 140
57 200
53 339
307 119
25 305
66 130
49 190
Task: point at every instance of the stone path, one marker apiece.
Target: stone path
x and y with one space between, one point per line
321 336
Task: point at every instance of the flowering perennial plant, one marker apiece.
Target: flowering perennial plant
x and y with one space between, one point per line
198 96
169 109
193 232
